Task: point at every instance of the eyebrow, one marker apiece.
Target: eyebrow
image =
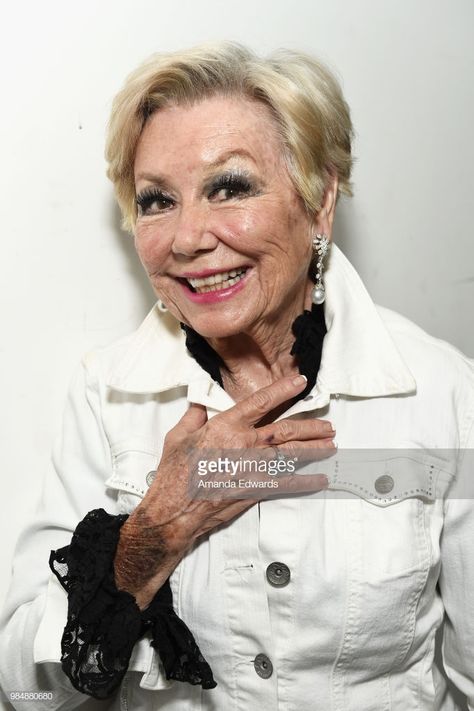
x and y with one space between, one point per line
228 155
154 178
221 160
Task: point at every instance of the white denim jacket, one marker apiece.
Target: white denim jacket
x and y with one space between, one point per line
372 574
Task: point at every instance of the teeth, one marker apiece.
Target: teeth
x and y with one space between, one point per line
217 281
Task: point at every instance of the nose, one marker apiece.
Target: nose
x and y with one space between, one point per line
193 232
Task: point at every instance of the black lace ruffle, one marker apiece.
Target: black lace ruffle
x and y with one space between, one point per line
204 354
309 330
104 623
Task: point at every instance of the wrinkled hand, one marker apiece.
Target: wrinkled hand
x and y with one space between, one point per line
168 520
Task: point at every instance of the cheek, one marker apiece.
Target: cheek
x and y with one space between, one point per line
271 222
151 246
245 230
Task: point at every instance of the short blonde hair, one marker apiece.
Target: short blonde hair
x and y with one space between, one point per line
304 97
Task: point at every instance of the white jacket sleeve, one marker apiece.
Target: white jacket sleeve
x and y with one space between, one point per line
457 577
35 613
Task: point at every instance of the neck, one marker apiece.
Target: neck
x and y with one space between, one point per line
255 360
259 357
246 362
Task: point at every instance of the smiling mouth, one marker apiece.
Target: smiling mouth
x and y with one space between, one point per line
215 282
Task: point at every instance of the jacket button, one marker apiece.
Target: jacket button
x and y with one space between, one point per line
263 666
278 575
384 484
150 477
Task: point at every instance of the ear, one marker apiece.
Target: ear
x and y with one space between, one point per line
325 217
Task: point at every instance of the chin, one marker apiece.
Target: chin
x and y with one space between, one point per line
221 326
215 331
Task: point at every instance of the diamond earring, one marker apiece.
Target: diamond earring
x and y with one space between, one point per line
320 249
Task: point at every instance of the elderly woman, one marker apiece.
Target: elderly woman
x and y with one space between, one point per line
327 594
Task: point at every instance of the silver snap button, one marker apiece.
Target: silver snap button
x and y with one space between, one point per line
384 484
278 574
150 477
263 666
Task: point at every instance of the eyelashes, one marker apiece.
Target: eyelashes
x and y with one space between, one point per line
228 186
152 200
231 185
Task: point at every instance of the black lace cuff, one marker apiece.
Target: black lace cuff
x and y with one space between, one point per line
104 623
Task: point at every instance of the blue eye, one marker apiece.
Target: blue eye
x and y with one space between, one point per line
152 201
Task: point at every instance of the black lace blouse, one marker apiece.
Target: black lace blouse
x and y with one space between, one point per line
104 623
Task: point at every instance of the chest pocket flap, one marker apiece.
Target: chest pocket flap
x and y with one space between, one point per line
134 464
389 476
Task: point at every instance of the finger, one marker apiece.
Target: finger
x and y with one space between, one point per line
302 484
194 418
316 448
253 408
294 430
298 454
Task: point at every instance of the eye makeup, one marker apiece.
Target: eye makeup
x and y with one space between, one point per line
151 200
231 184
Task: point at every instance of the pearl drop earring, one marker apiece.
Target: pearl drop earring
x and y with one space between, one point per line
320 249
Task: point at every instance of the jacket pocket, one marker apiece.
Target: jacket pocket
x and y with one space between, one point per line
393 517
399 497
134 464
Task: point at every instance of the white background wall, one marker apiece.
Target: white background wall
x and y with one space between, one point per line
70 280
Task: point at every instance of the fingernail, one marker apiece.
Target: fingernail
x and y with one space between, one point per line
328 427
299 380
324 481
